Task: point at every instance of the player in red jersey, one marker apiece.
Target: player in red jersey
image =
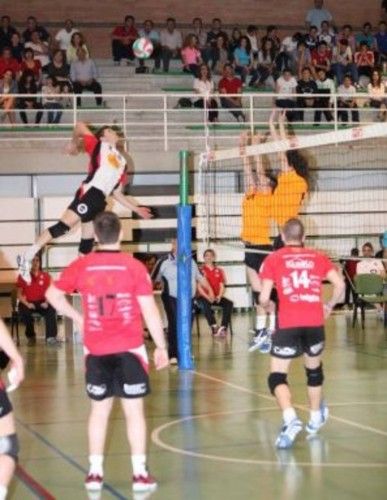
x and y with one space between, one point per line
106 176
297 273
116 293
9 446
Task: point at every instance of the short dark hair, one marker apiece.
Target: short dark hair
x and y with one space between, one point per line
171 20
107 227
129 17
369 245
293 230
209 250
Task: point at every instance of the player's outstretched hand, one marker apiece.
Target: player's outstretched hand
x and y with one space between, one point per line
71 148
144 212
160 358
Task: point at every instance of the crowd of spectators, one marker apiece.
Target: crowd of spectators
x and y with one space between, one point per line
44 70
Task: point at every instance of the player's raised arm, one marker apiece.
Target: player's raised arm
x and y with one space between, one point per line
249 178
131 203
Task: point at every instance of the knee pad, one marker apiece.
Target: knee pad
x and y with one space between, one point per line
9 445
315 376
58 229
275 379
86 246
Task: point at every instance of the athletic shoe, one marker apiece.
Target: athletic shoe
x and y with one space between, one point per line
53 341
173 361
259 338
288 434
93 482
313 427
214 329
24 266
144 483
222 332
266 345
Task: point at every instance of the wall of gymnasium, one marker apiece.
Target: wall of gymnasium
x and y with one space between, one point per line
96 17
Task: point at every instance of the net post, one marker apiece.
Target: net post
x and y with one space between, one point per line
184 268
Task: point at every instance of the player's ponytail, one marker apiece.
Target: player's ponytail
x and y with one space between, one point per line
299 163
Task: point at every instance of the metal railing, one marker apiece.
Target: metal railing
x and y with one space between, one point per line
159 118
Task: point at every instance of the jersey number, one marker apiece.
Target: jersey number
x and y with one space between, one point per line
300 279
106 305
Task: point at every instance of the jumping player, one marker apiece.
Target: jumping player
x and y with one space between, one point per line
116 291
106 176
9 445
256 215
298 273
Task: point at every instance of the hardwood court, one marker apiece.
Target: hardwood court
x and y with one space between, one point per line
212 430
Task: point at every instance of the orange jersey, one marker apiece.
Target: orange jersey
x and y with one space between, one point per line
256 214
288 196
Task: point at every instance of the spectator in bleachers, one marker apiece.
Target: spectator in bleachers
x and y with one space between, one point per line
199 32
370 264
150 262
306 85
272 34
153 35
381 43
6 32
230 84
84 74
171 43
28 85
365 62
317 15
77 42
191 55
342 62
252 35
31 65
286 86
8 85
366 37
347 101
60 70
347 34
325 85
204 86
265 73
303 58
326 34
123 38
321 59
32 299
234 42
213 295
377 92
32 25
221 56
7 62
51 102
211 42
40 49
63 37
242 59
311 39
287 56
16 46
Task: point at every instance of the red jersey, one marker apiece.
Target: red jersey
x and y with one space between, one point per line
123 31
215 277
350 268
321 58
230 85
297 274
6 64
36 290
109 284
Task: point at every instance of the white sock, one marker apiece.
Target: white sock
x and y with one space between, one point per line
32 251
272 321
260 321
139 465
3 492
96 464
288 415
315 416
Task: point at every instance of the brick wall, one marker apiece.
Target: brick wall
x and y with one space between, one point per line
99 15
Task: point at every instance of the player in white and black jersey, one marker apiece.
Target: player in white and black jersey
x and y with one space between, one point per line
107 174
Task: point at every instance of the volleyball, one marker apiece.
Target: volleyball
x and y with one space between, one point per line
142 48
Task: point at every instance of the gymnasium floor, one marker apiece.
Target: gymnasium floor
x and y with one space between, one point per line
213 429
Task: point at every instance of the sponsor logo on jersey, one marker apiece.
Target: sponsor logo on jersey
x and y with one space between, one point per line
284 351
134 389
299 264
96 390
82 208
316 348
304 297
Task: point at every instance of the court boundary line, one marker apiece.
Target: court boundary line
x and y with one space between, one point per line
67 458
32 484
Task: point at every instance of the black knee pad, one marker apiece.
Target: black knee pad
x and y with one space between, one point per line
86 246
58 229
275 379
9 445
256 298
315 376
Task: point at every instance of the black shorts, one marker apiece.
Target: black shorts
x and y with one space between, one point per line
116 375
88 206
255 259
5 404
288 343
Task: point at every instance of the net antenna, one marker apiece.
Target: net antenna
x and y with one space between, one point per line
346 207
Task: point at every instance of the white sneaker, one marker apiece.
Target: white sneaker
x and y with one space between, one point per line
288 434
313 427
24 267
